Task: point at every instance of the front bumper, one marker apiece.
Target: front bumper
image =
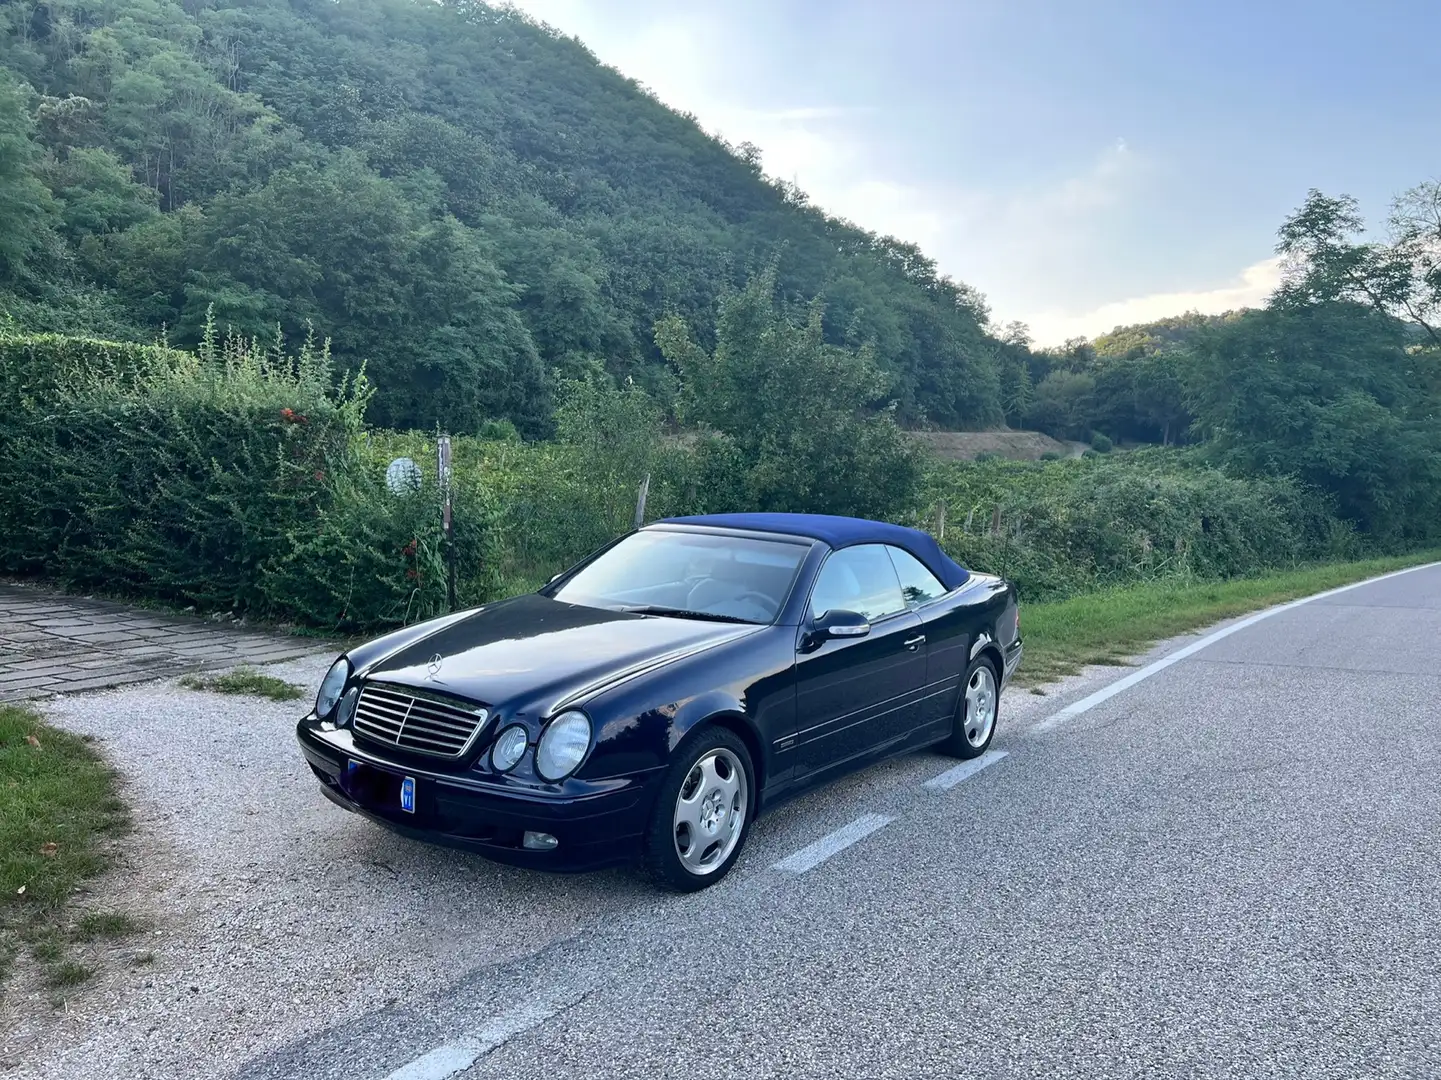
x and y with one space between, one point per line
593 829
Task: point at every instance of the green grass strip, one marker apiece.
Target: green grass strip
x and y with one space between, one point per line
245 681
59 810
1111 626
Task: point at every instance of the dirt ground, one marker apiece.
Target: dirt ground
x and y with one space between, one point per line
1016 445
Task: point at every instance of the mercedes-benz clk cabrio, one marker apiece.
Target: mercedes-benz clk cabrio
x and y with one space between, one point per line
647 704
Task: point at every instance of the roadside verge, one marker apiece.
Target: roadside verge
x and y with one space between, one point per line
60 812
1113 626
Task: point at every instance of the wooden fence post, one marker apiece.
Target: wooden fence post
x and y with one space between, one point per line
447 521
640 501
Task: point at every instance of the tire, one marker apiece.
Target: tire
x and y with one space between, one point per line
971 735
702 814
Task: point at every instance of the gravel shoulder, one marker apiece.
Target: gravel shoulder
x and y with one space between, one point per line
272 913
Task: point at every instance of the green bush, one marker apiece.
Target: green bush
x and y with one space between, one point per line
182 477
243 478
368 558
533 509
1050 455
35 367
1100 443
1070 526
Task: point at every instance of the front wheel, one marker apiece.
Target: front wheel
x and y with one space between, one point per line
702 814
974 724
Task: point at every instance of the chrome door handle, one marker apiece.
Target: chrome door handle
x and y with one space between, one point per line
915 643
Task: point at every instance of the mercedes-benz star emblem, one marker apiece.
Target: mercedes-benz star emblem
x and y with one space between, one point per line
432 669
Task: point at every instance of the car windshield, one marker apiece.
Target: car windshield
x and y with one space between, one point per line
689 575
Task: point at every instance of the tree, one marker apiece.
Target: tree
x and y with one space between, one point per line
789 416
1327 393
397 284
1160 397
1017 390
1325 262
1416 240
26 208
98 194
1063 404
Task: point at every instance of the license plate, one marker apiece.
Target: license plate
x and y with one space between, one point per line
407 794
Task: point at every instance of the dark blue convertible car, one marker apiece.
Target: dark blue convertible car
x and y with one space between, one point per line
647 704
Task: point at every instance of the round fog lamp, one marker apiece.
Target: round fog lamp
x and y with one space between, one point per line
508 748
538 841
347 707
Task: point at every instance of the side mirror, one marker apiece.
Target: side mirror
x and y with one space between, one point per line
839 623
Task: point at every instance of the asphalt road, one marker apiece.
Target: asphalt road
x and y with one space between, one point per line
1228 869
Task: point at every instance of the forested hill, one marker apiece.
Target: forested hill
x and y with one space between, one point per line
460 198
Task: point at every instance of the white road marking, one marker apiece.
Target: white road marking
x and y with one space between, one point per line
441 1062
460 1055
1077 708
966 769
812 855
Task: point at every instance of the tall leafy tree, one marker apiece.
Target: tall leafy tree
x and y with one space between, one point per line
1328 261
397 284
789 412
26 208
1328 393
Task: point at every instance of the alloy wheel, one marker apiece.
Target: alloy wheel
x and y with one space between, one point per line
980 705
710 811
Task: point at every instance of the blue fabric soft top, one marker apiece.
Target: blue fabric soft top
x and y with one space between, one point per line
840 532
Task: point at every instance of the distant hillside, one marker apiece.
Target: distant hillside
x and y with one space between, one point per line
1175 332
1127 385
465 201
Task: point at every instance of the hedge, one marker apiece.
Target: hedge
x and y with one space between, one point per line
243 478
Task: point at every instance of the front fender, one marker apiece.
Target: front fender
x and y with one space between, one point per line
728 712
707 707
636 743
748 684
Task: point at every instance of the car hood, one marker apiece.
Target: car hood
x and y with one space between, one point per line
535 653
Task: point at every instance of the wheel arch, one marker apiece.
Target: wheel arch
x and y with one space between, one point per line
736 722
992 655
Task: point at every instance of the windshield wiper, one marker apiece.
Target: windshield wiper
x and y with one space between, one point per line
684 613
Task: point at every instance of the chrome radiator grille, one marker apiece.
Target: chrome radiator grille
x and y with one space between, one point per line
427 725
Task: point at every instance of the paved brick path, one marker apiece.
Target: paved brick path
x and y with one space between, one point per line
56 644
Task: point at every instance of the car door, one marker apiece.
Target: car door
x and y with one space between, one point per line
948 637
854 694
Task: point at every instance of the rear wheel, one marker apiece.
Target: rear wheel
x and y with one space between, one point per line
974 724
703 813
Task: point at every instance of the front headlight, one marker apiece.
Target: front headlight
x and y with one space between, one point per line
562 744
331 687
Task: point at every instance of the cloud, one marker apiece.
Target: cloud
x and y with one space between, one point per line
1254 284
1043 217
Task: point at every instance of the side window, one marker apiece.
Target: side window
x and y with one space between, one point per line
918 585
858 579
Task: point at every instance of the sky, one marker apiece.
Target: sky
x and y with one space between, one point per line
1083 163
